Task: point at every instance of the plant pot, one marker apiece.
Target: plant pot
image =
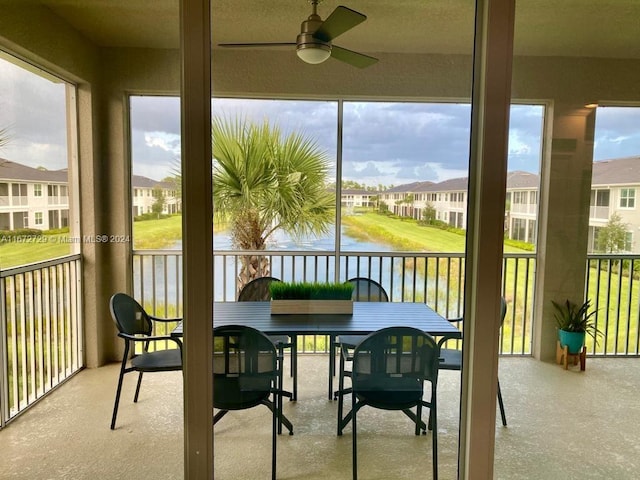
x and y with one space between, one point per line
311 307
573 340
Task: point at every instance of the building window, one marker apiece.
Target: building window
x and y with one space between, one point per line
531 234
628 242
38 218
599 198
628 198
519 231
533 198
519 197
37 190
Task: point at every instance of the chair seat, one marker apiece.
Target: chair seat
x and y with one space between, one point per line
350 341
158 361
394 393
280 340
238 393
450 359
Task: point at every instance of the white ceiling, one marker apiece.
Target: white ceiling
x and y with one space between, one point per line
592 28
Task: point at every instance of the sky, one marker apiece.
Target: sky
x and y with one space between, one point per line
383 142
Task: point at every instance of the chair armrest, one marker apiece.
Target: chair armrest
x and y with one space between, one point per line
455 320
166 320
133 338
346 352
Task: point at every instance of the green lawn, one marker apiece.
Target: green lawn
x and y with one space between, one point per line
33 250
406 234
157 234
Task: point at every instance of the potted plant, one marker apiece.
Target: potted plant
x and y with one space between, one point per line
307 297
574 322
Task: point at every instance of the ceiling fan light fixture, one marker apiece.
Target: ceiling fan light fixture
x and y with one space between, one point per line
314 53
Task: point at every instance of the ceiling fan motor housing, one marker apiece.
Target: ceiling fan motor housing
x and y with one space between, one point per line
306 41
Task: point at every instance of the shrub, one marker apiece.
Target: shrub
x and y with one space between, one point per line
10 235
150 216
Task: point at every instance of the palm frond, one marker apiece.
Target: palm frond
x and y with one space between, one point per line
264 181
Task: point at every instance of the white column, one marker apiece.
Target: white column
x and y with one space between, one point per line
487 193
565 189
197 241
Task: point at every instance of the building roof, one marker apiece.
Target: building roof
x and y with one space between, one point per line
451 185
409 187
519 179
16 171
357 191
616 171
138 181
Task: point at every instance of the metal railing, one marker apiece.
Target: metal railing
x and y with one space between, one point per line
41 331
613 286
436 279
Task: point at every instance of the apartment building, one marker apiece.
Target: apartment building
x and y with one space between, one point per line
32 197
614 186
39 198
357 198
145 194
614 189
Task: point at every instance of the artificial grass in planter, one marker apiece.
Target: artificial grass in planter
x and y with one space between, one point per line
310 291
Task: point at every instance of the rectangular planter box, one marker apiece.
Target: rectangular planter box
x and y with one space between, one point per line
316 307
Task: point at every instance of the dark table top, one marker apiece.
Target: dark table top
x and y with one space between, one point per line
367 317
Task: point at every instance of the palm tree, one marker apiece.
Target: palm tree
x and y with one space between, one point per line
4 137
264 182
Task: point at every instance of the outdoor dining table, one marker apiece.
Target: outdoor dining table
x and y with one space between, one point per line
367 318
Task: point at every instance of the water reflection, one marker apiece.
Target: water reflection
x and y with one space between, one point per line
158 279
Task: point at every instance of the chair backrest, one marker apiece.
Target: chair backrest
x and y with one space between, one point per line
129 316
257 290
244 366
367 290
392 355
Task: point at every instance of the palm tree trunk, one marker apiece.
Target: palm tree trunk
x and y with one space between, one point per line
252 267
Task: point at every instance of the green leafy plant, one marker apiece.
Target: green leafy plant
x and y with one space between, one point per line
310 291
572 317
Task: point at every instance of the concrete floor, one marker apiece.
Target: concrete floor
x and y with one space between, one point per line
562 425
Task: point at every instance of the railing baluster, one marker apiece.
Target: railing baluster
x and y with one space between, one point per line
40 322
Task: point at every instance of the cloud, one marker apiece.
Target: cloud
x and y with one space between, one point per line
33 110
169 142
617 133
383 142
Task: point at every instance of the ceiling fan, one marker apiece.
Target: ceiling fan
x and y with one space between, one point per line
314 43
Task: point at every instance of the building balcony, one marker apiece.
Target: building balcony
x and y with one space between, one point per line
561 424
599 213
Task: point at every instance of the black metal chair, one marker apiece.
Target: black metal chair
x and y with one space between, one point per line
247 372
389 368
257 290
364 290
136 326
451 359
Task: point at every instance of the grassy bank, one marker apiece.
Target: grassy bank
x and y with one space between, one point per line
157 234
32 250
406 234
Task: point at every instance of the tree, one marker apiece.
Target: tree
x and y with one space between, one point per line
612 237
429 214
264 182
159 202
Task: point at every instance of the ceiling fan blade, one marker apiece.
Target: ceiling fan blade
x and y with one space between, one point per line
254 45
356 59
340 20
